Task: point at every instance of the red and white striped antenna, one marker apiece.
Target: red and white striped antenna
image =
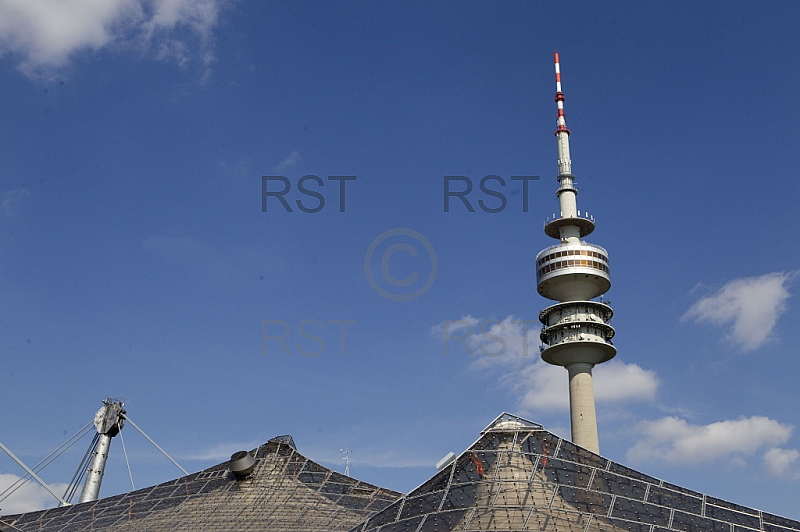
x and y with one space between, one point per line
562 121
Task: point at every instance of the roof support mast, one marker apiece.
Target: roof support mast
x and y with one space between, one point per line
108 421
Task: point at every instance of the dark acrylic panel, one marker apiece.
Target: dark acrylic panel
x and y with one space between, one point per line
103 522
582 500
497 519
543 444
514 465
313 478
439 481
723 514
403 526
680 489
492 440
737 528
487 460
731 506
313 467
561 521
781 521
618 485
139 506
567 473
59 522
286 440
639 511
776 528
103 504
357 503
461 496
467 471
421 504
169 502
387 515
603 524
334 488
628 472
676 500
443 521
519 493
570 451
691 523
159 492
294 465
278 449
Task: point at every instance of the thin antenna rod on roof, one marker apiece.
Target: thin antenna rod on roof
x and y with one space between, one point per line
346 459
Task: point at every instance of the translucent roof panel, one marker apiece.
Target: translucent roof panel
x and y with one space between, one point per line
286 492
518 476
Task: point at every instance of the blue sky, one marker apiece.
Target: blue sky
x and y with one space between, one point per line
136 261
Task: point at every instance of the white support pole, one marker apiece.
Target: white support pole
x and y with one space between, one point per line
34 475
129 420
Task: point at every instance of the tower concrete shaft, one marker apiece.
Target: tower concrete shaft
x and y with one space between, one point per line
576 333
581 403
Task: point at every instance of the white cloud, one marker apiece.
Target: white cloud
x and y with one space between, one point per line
383 458
674 440
220 452
783 463
617 381
454 326
503 347
752 304
46 34
546 386
10 200
541 386
28 498
291 162
494 343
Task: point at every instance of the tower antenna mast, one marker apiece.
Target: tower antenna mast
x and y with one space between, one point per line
346 459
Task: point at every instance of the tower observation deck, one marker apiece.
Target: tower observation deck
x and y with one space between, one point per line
575 332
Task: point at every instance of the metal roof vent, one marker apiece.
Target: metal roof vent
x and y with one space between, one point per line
242 463
446 461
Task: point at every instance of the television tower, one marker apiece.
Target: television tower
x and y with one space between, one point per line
573 272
